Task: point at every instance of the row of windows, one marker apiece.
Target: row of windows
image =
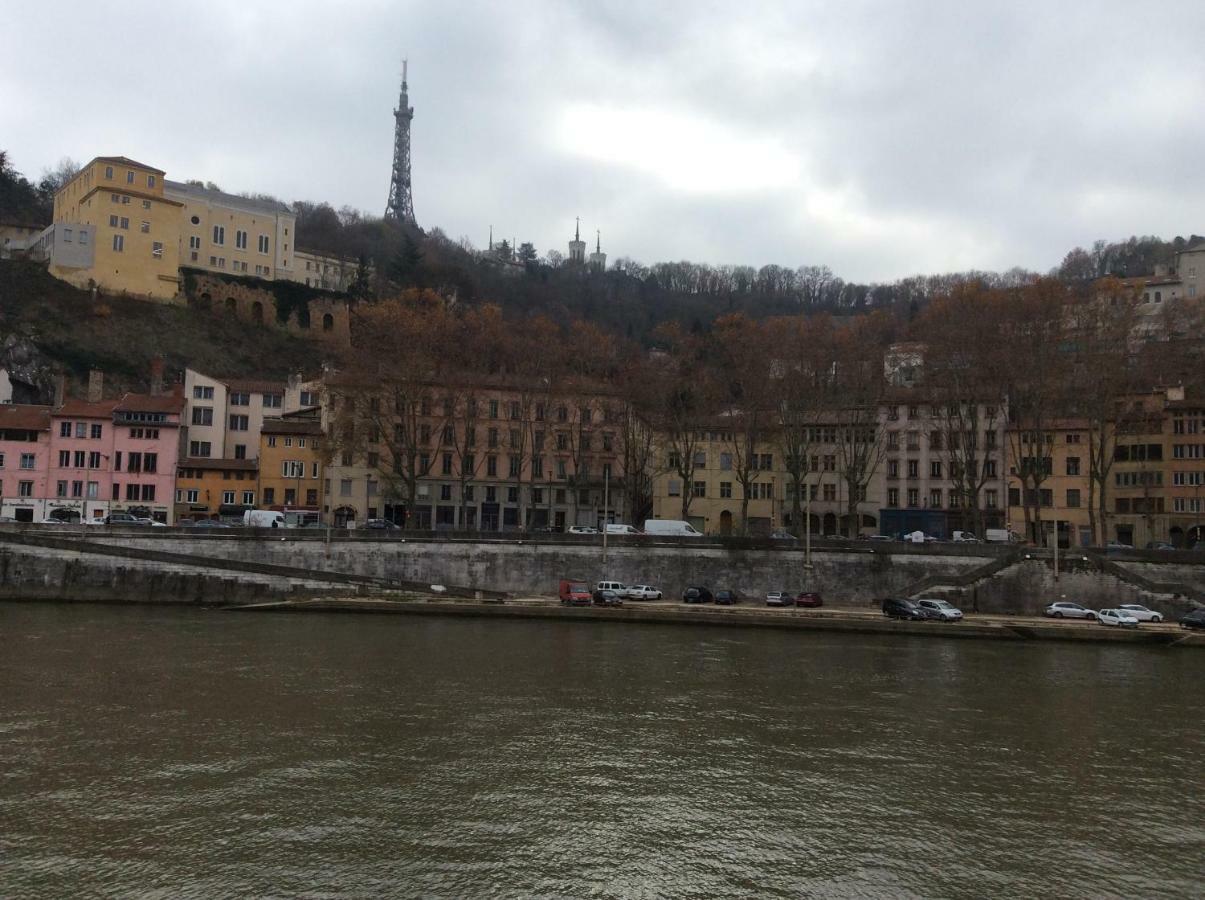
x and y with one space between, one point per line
936 468
130 175
144 493
240 239
935 498
24 488
81 430
134 461
193 495
28 461
937 439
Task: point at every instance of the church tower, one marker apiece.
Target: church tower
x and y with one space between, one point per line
598 259
577 247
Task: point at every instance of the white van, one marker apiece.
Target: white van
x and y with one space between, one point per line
264 518
615 528
670 528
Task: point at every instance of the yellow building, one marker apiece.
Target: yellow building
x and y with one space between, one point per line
291 463
1063 494
113 226
227 233
209 488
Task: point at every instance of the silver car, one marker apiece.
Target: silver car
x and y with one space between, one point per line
1064 609
940 609
643 592
1116 617
780 598
1141 613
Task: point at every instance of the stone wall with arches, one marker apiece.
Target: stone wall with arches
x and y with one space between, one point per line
285 306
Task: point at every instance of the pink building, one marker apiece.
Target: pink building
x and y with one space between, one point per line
114 456
24 461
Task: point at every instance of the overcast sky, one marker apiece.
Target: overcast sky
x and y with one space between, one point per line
880 138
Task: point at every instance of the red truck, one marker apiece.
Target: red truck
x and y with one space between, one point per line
574 593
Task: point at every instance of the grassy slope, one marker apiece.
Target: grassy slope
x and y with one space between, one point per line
61 322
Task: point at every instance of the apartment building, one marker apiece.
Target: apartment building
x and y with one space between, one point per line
225 415
24 461
1063 495
116 228
291 463
223 232
216 488
490 457
320 270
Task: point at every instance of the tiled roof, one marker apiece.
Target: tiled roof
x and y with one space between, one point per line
83 409
254 386
154 403
22 417
197 192
126 161
291 426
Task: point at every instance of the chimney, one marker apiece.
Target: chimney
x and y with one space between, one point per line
96 385
60 390
157 375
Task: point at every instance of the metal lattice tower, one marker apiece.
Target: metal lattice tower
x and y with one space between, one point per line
400 206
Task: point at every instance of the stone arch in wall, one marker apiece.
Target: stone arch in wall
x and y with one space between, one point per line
303 318
328 322
257 313
203 303
231 306
726 523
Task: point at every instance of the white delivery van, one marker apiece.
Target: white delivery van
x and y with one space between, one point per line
670 528
264 518
999 536
616 528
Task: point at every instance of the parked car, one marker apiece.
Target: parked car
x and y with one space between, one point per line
582 529
264 518
1118 545
780 534
120 518
1141 613
1160 545
380 525
697 595
546 529
965 537
1064 609
607 598
210 523
780 598
881 537
644 592
1194 619
727 597
809 599
620 589
941 610
574 593
618 528
154 523
1116 617
903 608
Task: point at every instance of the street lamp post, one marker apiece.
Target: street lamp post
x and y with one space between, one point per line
807 515
606 508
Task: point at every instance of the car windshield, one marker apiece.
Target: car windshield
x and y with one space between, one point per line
577 587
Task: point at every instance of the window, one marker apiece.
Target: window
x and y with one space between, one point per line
537 467
93 460
700 459
61 489
219 234
725 489
491 465
699 489
25 488
240 240
513 466
989 468
273 401
1073 498
893 468
913 497
935 469
1073 438
79 459
156 248
446 468
27 460
673 487
202 415
263 243
560 469
228 497
1072 466
119 243
762 490
935 498
445 492
240 398
83 236
238 422
830 493
109 172
309 398
989 499
199 448
913 468
145 227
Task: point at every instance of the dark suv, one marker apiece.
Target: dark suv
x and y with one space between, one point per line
900 608
727 598
697 595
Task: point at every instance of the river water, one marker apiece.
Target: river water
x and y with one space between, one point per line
157 752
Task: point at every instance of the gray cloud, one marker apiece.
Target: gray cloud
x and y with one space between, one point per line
880 138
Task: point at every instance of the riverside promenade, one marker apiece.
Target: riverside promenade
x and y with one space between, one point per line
851 621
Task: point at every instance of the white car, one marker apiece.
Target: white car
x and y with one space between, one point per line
1064 609
582 529
942 610
643 592
1117 617
1141 613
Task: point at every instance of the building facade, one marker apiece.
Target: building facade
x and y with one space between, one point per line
24 462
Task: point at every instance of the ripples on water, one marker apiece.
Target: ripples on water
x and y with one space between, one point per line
177 753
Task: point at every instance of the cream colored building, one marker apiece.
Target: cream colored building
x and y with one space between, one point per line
224 232
331 273
224 416
116 228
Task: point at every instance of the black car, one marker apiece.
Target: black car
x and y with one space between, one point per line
697 595
901 608
606 598
380 525
1195 619
727 598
